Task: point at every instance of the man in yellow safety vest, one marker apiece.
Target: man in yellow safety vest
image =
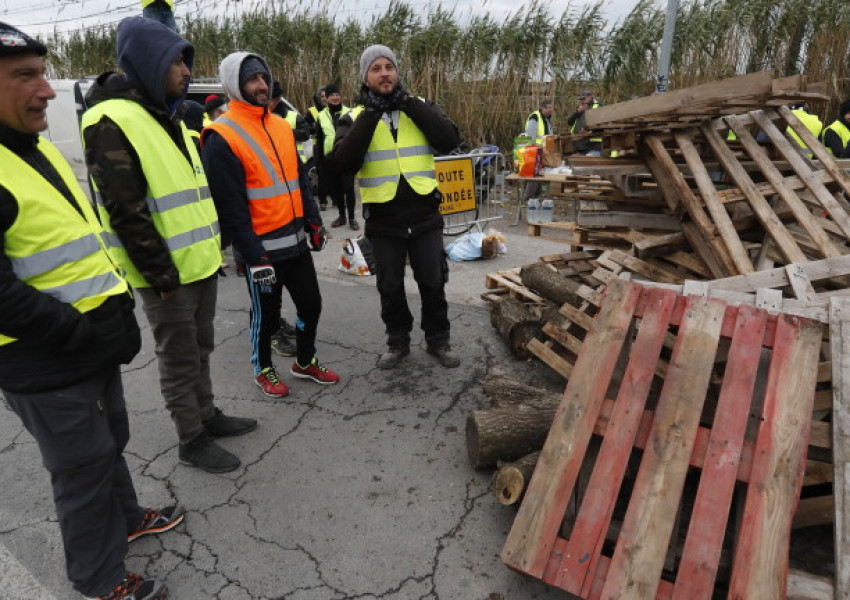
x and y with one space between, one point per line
836 135
537 125
154 201
387 140
66 326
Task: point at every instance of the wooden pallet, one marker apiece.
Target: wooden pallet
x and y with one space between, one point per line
674 443
803 190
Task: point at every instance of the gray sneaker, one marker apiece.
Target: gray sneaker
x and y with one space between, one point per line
393 355
445 355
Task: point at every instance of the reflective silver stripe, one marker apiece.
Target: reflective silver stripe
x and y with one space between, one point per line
112 240
173 200
184 240
428 174
98 199
252 143
414 151
216 229
273 190
47 260
284 242
87 288
368 182
379 155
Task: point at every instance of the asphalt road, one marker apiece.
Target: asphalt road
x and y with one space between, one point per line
359 490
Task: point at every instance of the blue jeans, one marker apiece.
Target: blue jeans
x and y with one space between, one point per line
163 15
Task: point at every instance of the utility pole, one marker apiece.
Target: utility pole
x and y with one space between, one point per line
667 46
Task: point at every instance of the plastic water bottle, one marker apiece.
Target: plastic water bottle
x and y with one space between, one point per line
532 213
547 209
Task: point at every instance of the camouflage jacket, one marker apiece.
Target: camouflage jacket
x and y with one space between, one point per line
116 170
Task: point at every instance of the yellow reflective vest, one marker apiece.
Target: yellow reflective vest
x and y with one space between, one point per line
52 246
842 131
148 2
387 160
812 123
541 126
291 118
178 196
326 122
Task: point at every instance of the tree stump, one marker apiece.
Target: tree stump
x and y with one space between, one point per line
511 480
517 323
506 433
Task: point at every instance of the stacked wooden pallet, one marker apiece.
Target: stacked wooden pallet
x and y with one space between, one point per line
749 220
565 340
735 202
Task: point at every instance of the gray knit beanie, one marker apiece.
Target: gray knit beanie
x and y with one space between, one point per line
371 54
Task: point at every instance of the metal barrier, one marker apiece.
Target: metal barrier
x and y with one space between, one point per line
473 188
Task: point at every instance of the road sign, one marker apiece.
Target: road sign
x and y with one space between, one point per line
456 181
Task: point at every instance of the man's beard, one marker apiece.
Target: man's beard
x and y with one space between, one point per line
252 99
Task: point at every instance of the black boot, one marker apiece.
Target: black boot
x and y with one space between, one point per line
220 425
204 453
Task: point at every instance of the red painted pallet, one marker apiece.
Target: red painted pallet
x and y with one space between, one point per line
678 440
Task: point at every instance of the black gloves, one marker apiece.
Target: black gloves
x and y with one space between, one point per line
376 102
318 237
262 275
397 100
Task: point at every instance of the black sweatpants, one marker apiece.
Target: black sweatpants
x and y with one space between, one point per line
81 431
298 275
431 272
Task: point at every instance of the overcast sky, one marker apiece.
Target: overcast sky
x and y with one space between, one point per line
44 16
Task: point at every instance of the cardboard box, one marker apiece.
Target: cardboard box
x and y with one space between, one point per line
552 156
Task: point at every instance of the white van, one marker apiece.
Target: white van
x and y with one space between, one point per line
66 110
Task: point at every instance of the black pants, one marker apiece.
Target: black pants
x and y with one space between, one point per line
321 181
431 272
81 431
298 275
341 189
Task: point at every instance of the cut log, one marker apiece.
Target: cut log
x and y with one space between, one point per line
549 283
505 390
510 481
505 434
515 322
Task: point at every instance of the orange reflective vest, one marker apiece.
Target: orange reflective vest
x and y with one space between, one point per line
265 145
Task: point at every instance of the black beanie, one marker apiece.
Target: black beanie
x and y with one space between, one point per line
331 89
193 114
277 90
844 108
250 66
14 41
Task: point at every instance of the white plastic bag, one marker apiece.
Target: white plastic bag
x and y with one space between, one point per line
356 258
466 247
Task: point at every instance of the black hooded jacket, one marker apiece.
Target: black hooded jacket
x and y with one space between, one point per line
56 345
146 53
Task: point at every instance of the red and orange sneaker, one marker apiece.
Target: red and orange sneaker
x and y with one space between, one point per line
271 384
133 587
315 371
158 521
